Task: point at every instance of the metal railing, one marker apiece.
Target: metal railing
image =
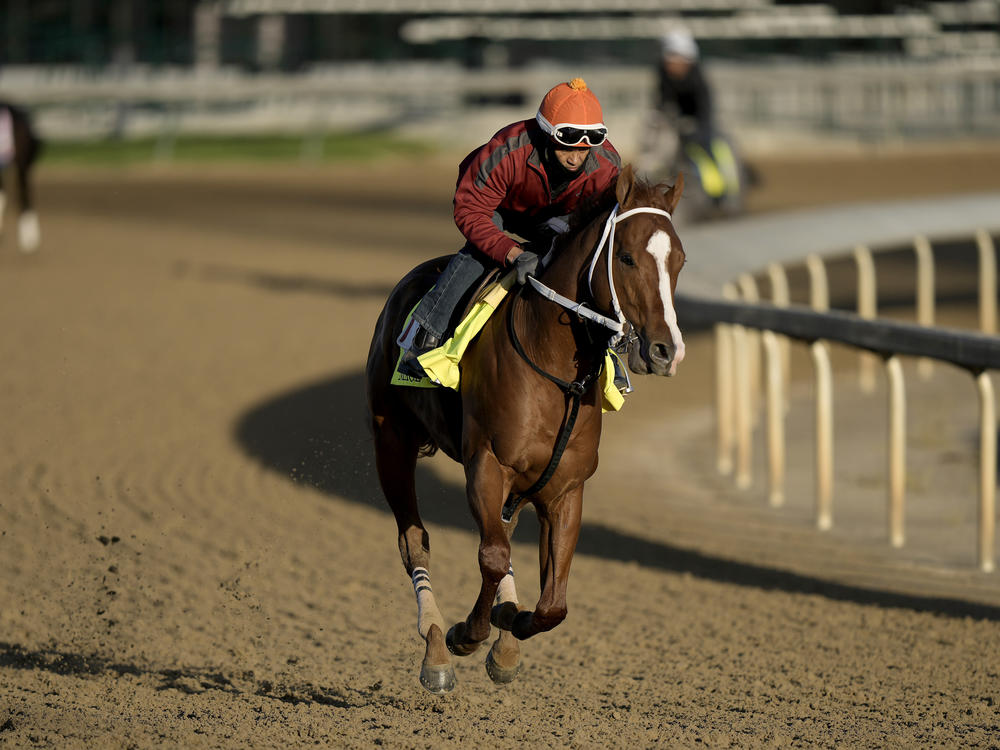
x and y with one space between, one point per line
744 327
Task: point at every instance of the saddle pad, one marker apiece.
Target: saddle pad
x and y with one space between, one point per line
441 364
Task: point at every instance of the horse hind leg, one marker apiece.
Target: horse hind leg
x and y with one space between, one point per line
437 674
503 660
395 461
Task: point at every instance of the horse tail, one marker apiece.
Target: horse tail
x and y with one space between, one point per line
377 372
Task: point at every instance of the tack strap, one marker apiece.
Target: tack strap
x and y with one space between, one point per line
577 388
575 307
617 324
574 390
609 236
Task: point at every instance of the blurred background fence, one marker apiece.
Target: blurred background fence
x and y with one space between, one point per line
454 70
764 102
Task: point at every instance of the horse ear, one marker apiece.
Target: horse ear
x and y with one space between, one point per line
673 195
626 180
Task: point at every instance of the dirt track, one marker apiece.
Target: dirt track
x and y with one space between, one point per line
196 554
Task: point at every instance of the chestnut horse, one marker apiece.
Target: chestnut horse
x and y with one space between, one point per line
19 146
528 384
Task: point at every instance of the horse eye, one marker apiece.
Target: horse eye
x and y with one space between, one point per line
627 259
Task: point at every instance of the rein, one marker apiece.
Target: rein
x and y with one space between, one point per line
616 324
577 388
574 390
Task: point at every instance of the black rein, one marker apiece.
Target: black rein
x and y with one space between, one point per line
573 389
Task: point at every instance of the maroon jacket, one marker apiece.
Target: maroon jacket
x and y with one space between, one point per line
503 184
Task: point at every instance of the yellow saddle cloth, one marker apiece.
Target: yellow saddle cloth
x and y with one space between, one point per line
441 364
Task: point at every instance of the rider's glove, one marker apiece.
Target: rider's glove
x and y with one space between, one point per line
555 226
525 265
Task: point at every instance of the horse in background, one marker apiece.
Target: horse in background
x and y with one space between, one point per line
526 421
19 148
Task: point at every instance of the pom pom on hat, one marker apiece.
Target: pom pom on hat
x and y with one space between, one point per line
570 103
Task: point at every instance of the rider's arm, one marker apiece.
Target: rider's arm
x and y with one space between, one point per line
484 179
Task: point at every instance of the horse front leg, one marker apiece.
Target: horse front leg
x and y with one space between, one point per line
486 487
503 661
560 529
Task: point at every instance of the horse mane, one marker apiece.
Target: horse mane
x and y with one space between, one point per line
642 192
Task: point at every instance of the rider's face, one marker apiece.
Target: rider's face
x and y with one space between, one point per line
676 66
572 158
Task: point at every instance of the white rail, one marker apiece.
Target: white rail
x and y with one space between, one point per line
735 386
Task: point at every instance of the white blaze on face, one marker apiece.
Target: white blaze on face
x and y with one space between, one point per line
659 247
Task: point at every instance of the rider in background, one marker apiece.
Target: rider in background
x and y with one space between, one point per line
685 102
682 88
524 181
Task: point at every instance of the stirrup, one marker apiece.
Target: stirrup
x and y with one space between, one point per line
414 341
409 365
621 378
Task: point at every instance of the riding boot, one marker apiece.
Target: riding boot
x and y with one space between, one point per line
414 341
432 315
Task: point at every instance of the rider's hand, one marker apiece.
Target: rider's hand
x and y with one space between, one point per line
525 264
553 227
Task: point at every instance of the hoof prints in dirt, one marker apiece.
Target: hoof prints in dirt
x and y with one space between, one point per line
186 680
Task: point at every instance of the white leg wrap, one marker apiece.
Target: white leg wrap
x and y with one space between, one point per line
506 591
427 611
28 232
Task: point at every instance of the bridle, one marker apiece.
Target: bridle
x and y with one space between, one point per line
576 388
616 324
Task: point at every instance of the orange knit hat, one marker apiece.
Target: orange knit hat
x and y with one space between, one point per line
570 104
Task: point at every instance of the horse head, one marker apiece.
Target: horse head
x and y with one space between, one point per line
647 257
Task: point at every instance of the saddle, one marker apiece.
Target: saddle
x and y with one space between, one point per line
442 364
476 293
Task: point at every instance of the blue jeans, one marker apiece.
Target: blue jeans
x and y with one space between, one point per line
437 306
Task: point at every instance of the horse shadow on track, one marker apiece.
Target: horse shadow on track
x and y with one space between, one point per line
317 435
187 680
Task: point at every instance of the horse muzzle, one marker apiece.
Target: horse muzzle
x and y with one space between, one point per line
655 357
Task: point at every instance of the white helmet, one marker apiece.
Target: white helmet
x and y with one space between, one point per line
680 42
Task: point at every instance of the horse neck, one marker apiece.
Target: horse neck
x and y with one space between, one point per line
544 321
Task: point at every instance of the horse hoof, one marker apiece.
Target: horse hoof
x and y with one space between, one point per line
522 627
502 615
459 649
438 679
501 675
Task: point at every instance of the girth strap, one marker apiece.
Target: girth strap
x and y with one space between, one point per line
574 390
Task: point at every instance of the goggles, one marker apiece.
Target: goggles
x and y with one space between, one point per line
569 135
